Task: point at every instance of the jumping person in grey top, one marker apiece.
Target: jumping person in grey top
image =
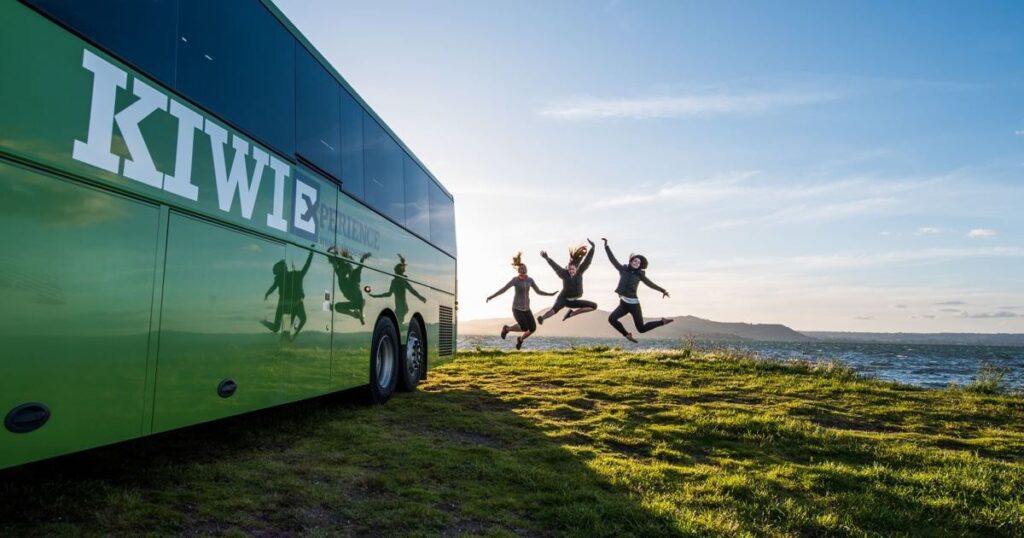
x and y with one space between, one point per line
525 322
630 277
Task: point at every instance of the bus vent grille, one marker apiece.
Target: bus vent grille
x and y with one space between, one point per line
445 332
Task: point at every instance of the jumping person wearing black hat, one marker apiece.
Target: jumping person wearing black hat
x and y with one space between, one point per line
630 277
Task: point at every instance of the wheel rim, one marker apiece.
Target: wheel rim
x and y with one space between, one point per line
385 362
414 355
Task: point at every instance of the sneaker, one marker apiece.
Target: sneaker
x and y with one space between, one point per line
519 342
629 336
504 331
540 319
567 315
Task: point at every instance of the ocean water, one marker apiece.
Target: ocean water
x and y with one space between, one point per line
926 365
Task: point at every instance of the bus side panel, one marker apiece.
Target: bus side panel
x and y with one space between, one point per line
353 322
77 270
223 290
305 360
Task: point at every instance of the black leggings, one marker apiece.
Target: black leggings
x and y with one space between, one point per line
638 318
561 302
525 320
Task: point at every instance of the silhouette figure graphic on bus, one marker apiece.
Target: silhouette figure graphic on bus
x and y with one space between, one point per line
289 297
399 285
349 276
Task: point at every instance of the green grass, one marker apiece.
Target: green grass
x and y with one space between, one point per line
587 442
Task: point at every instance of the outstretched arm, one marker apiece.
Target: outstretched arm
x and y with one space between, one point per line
562 273
413 291
653 286
588 259
271 290
533 284
391 291
309 261
502 290
611 257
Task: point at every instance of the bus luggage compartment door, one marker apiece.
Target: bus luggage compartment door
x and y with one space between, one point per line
224 323
77 267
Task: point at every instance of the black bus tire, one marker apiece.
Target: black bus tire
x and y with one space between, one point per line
413 359
384 361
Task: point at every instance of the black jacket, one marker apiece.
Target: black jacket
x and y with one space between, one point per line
629 278
572 286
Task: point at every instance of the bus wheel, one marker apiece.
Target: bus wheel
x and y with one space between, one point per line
383 361
413 360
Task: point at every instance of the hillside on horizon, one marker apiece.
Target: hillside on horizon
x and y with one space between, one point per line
595 325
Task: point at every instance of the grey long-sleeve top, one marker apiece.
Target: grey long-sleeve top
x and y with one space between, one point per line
522 286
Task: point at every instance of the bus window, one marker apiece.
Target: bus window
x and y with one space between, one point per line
351 146
138 32
237 60
442 219
417 212
317 114
385 190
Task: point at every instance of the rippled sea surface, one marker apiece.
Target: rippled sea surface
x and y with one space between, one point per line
926 365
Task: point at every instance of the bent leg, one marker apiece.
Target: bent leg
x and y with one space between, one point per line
278 315
581 307
638 319
613 318
301 314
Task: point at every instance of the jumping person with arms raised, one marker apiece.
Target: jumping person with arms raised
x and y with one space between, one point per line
525 323
572 283
630 277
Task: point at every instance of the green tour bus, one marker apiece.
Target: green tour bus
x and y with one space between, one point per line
201 218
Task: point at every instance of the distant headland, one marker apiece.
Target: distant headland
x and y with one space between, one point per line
595 325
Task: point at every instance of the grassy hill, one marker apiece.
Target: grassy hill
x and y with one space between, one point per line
595 325
592 442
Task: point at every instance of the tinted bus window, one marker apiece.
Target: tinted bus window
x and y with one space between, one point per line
442 219
141 33
385 190
417 207
317 114
236 59
351 146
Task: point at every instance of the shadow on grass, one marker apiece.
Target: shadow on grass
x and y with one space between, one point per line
436 462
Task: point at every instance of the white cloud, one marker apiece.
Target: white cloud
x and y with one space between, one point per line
980 232
990 315
848 260
694 192
588 108
810 212
926 230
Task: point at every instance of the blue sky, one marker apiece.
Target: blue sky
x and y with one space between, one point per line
830 166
